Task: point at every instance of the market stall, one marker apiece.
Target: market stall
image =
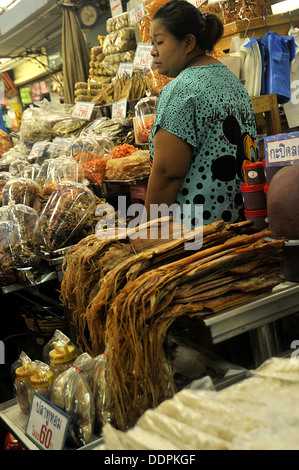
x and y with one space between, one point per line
119 288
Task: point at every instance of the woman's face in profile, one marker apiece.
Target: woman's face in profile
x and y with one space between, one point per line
169 53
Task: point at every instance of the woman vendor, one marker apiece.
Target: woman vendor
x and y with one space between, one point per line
204 128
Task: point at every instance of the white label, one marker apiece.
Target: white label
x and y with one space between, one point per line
116 7
125 67
119 109
136 14
47 425
83 110
143 58
197 3
282 150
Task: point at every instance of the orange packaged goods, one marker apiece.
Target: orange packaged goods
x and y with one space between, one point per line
155 81
144 25
5 143
134 166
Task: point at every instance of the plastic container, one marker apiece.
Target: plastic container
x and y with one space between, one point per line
22 385
259 218
253 196
62 358
41 382
145 112
255 173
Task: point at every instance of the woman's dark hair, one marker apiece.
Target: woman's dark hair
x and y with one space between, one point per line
180 18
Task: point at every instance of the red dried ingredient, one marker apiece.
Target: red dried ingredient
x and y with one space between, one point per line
144 129
123 150
95 170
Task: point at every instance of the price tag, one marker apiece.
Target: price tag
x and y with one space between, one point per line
125 67
142 57
47 425
83 110
197 3
119 109
116 7
136 14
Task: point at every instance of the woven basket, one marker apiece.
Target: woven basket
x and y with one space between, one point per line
44 326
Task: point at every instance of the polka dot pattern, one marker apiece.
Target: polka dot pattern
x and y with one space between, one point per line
210 109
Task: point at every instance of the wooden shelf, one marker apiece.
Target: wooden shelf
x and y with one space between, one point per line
257 27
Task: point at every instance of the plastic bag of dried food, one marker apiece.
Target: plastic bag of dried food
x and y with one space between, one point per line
22 191
117 22
30 171
155 81
134 166
145 112
21 371
4 177
39 151
60 146
35 130
101 392
63 218
62 169
59 338
72 393
68 127
19 236
5 143
119 41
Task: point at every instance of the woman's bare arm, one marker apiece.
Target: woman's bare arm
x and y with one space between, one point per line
171 163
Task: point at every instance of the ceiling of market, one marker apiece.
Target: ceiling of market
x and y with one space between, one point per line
33 34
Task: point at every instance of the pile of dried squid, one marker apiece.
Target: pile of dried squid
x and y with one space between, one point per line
123 295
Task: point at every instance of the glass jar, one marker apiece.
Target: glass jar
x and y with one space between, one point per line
62 358
22 386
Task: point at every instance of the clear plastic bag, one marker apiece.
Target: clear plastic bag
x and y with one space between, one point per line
61 169
101 392
35 130
117 22
21 374
119 41
145 112
59 338
22 191
68 208
19 237
62 356
72 393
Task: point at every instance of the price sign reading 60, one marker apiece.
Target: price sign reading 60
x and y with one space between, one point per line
47 425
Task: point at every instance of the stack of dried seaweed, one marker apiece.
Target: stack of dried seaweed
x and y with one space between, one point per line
136 297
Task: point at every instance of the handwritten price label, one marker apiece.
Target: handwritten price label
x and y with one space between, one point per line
142 57
116 7
83 110
125 68
198 3
119 109
136 14
47 425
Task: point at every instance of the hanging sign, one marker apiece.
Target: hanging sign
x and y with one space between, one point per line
47 425
119 109
143 58
83 110
136 14
116 7
125 68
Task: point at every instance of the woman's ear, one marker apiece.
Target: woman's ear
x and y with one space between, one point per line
190 42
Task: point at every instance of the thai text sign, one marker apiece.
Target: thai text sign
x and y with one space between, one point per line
47 425
282 149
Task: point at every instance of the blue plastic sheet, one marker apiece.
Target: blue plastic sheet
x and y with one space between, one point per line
279 53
